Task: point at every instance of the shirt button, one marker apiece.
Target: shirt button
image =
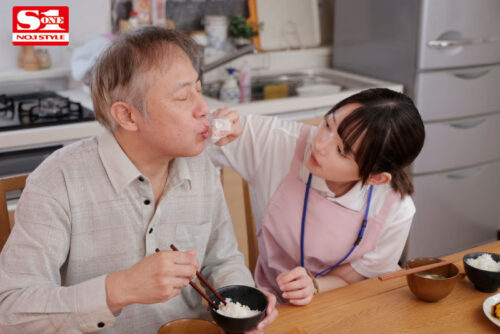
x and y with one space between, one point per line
100 325
147 202
141 179
150 230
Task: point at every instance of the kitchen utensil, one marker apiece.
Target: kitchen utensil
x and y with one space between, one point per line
483 280
208 285
245 295
189 326
431 289
413 269
488 304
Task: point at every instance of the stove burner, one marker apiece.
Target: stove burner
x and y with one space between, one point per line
51 108
6 107
46 108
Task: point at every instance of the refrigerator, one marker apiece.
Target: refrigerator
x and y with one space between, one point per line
446 53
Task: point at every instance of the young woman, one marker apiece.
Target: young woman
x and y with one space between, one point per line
331 203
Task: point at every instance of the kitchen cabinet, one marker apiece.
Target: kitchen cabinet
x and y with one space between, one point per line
447 55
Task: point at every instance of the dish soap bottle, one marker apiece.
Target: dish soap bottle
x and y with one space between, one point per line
230 91
245 84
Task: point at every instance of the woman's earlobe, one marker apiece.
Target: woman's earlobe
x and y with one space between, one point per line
380 178
123 115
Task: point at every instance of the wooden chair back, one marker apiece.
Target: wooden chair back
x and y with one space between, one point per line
8 184
253 246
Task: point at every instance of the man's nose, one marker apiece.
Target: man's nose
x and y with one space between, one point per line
202 108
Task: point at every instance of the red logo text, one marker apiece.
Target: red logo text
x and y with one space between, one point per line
40 25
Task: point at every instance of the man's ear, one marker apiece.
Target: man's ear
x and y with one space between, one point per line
124 115
378 179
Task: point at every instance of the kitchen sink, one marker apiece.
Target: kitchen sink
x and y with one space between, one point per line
303 83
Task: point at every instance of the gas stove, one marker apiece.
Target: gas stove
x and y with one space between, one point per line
39 109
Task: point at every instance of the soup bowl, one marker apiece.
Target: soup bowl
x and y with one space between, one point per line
434 284
189 326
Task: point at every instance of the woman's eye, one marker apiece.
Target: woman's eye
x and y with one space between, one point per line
182 99
327 125
339 151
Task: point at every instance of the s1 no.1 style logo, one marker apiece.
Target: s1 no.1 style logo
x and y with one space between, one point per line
40 25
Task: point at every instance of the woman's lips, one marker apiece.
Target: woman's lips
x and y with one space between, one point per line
313 160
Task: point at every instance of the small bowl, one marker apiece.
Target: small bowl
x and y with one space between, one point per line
431 289
189 326
245 295
483 280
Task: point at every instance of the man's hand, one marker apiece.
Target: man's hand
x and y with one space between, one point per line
157 278
297 286
236 128
271 314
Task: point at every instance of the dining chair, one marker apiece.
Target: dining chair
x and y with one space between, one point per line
8 184
253 248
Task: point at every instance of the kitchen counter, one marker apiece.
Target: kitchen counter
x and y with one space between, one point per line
293 108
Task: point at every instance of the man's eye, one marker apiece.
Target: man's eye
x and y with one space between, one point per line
182 99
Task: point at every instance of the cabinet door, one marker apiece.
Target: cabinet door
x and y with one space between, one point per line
458 93
459 143
455 211
457 33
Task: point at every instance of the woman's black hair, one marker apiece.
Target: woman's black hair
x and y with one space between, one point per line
392 134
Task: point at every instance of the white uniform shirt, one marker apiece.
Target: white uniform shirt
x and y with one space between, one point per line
262 155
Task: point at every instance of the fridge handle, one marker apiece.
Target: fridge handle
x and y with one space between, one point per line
445 44
465 175
474 75
467 124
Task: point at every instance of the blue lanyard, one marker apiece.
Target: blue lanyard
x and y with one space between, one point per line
303 227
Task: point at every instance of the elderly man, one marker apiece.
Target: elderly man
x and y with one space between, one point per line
90 247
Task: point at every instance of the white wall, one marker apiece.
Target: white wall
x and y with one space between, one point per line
86 17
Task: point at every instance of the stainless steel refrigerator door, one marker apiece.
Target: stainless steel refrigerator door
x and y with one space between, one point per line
456 210
454 93
457 33
457 143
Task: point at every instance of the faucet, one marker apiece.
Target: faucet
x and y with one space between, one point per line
250 48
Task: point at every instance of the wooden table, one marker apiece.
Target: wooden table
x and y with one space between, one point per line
372 306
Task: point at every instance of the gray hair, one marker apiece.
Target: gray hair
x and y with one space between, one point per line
120 71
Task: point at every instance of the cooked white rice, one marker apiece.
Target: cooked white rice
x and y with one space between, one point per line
236 310
484 262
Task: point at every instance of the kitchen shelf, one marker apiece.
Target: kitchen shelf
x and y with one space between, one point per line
20 74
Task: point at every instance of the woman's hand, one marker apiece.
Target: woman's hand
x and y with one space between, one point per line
271 313
297 286
236 128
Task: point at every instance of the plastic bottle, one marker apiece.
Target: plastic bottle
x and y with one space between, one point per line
230 92
245 84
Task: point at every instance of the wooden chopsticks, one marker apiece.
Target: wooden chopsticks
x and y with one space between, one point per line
405 272
200 276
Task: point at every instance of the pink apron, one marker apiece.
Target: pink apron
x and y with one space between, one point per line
330 231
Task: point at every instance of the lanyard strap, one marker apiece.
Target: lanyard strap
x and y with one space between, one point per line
303 227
